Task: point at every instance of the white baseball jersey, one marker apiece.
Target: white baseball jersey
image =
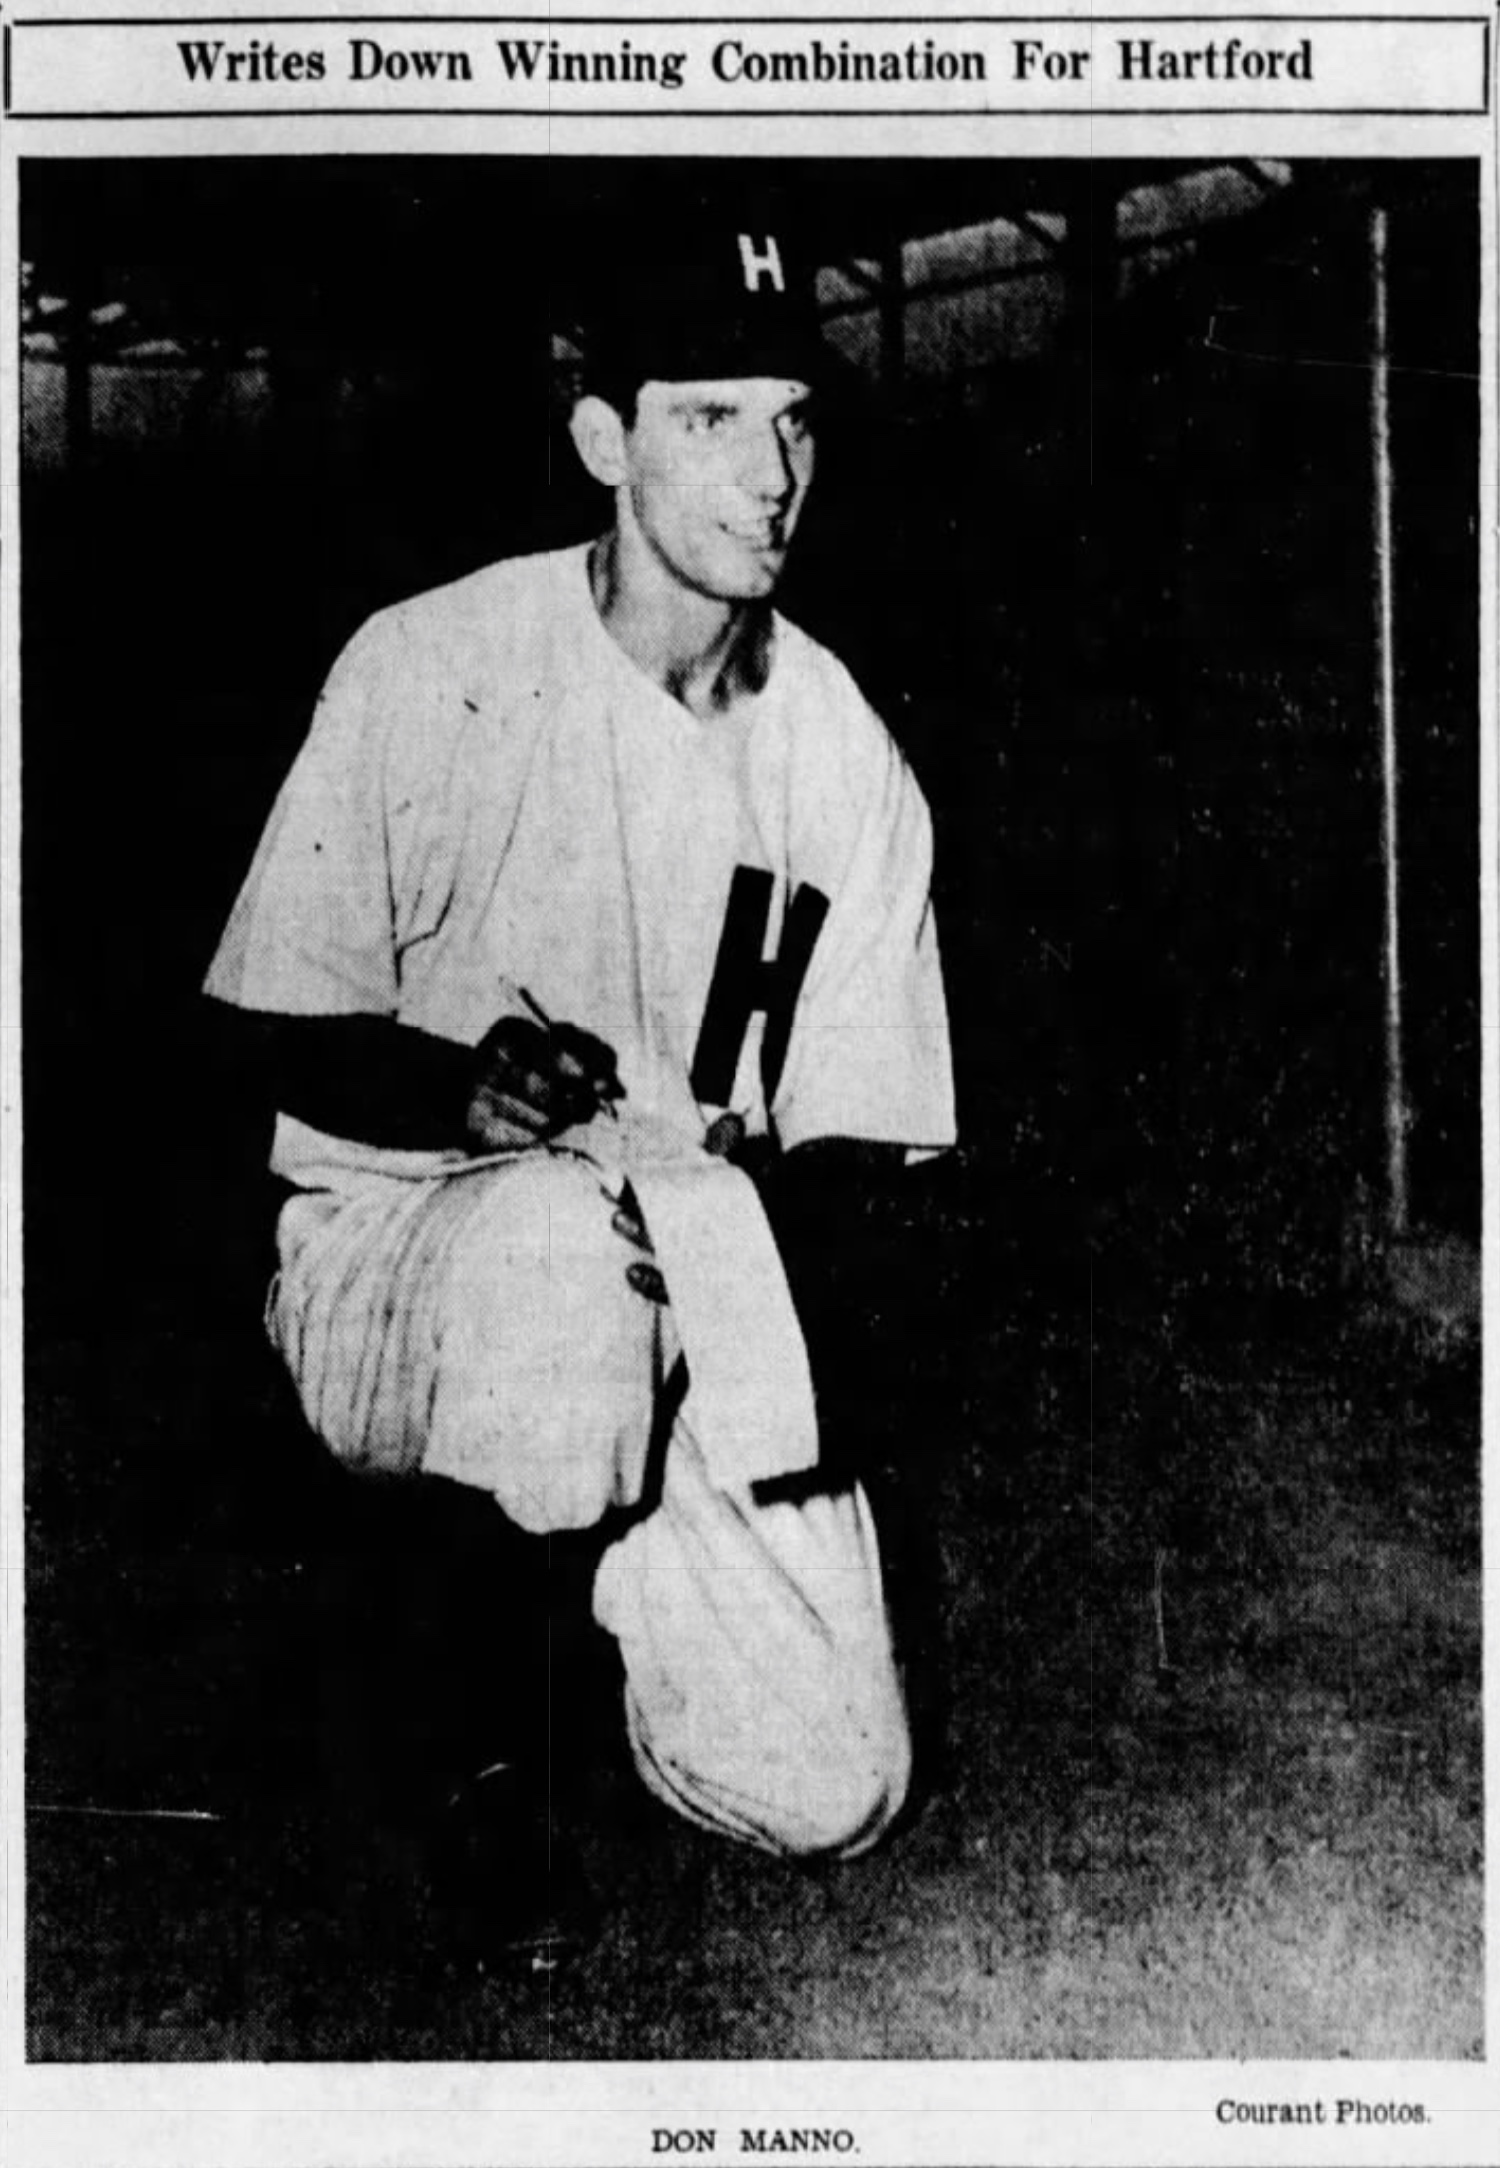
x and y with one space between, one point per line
495 807
494 797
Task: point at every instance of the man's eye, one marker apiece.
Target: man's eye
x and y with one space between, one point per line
702 421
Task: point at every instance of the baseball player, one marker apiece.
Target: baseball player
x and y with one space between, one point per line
590 951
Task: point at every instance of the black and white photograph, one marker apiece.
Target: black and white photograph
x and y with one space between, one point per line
751 1002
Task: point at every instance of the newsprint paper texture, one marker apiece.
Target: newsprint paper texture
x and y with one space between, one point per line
1148 374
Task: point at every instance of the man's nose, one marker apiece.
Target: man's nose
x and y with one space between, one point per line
769 469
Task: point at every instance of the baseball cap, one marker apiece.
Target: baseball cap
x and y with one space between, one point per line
730 297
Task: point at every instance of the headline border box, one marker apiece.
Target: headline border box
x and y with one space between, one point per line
630 22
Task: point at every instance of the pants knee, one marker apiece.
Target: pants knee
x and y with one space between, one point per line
849 1808
545 1365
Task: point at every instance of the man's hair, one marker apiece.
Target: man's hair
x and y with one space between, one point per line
618 387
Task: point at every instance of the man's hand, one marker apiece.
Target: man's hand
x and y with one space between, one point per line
531 1081
727 1138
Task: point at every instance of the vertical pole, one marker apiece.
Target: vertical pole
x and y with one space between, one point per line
1396 1116
893 323
78 383
1090 259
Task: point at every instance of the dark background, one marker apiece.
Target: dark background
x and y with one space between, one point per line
1116 605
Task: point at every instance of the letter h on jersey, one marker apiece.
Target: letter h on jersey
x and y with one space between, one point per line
743 983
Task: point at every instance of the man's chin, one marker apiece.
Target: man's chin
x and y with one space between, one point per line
737 575
760 589
756 575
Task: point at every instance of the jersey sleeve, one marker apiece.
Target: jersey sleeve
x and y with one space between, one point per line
869 1052
312 931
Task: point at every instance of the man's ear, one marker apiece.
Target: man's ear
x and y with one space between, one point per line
599 435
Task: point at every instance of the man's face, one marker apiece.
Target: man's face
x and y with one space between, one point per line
717 473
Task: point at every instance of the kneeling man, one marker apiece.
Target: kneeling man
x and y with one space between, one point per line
590 944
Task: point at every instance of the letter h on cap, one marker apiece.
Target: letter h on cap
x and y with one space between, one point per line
762 262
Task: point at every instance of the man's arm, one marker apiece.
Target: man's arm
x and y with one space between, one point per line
382 1083
832 1205
857 1265
838 1176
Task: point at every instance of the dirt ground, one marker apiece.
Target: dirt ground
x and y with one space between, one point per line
1267 1846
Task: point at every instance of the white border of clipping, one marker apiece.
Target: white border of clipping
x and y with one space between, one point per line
899 2113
